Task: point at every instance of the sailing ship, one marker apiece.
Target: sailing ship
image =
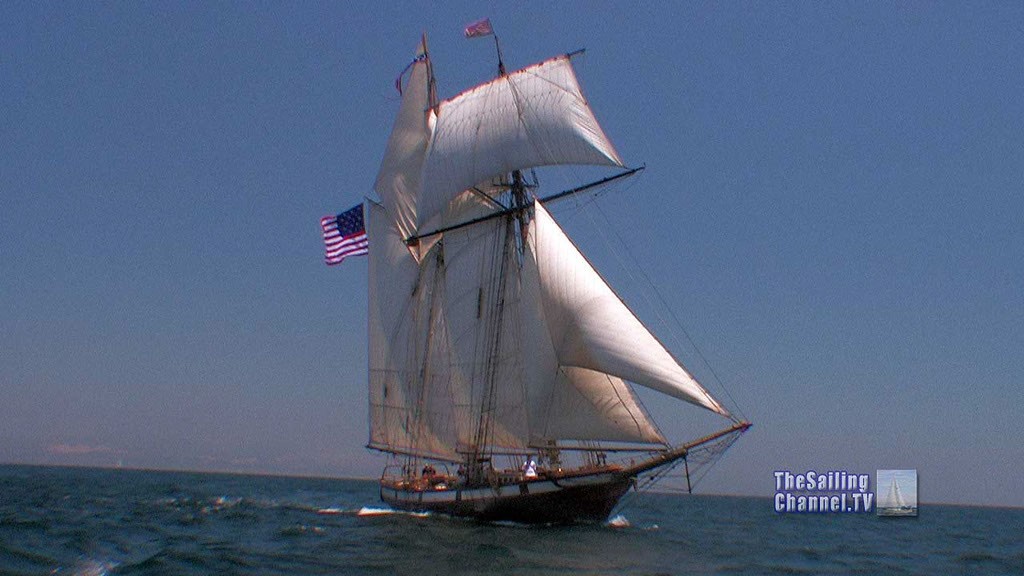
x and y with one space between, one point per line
501 364
895 503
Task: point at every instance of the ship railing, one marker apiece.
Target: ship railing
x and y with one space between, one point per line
400 477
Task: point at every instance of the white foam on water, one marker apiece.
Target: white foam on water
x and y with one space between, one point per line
93 568
618 521
300 529
512 524
371 511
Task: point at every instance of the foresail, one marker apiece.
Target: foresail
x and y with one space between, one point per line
589 405
536 116
398 180
410 412
570 403
591 328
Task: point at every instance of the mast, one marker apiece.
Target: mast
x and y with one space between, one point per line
481 445
493 330
423 376
431 80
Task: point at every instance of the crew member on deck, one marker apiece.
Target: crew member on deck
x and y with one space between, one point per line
530 468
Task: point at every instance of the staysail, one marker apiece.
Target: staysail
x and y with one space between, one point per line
591 328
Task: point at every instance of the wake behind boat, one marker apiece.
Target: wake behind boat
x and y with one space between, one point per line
501 364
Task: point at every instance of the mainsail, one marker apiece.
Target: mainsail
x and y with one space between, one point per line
894 499
499 336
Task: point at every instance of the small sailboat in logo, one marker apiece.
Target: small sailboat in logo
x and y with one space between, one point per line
895 503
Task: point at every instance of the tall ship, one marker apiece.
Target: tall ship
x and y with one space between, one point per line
501 365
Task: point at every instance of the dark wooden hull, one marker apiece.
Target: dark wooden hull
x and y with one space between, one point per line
576 499
578 496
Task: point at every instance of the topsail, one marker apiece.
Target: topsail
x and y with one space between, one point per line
398 181
534 117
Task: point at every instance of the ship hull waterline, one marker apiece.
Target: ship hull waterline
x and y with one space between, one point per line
587 497
568 500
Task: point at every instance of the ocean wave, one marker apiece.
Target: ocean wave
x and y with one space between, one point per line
91 567
22 521
380 511
618 521
10 552
301 530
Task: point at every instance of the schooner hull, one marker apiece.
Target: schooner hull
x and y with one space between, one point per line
577 499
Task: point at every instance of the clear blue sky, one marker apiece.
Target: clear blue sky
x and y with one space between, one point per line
832 208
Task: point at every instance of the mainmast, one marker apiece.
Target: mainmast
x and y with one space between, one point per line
482 449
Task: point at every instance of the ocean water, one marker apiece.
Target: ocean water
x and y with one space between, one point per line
94 522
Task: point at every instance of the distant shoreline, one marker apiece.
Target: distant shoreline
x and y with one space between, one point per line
187 471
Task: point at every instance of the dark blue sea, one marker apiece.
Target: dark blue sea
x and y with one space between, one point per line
94 522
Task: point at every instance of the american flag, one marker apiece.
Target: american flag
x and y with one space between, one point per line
344 235
479 28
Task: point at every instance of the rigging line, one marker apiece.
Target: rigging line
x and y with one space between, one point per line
618 396
420 416
481 342
644 485
412 240
483 195
485 280
493 328
647 413
622 262
715 457
664 303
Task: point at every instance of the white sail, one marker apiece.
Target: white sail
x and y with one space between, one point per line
536 116
589 405
480 305
410 405
895 496
591 328
398 180
438 343
571 403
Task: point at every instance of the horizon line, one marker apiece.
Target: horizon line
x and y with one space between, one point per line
317 476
